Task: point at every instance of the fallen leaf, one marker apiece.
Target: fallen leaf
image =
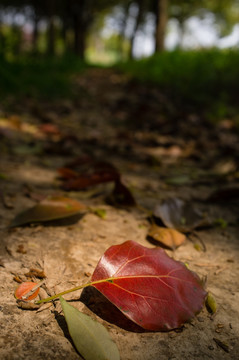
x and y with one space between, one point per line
50 129
27 305
221 222
100 212
121 195
18 279
21 249
86 172
90 338
197 247
150 288
51 208
66 173
82 182
24 288
169 238
178 214
36 273
211 304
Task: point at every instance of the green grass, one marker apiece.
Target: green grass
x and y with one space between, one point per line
39 77
205 80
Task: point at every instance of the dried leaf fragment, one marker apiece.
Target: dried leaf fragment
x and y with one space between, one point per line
27 305
24 288
101 213
36 273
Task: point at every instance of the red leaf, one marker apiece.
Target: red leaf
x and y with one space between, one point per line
24 288
66 173
85 172
84 181
149 287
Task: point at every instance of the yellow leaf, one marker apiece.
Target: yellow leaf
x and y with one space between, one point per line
211 304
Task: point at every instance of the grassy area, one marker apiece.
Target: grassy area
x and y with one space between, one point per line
206 80
39 77
203 81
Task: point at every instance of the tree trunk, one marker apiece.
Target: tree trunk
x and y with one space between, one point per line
2 41
51 37
161 24
79 36
138 20
64 32
122 29
181 32
51 28
35 35
17 39
82 17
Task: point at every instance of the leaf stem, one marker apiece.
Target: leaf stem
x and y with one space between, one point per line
50 298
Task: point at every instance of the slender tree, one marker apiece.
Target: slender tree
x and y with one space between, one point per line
161 23
141 7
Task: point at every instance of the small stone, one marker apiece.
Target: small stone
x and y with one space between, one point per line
200 319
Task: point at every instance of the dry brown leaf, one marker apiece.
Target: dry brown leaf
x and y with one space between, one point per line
169 238
51 208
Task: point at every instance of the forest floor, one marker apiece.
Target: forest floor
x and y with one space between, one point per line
161 152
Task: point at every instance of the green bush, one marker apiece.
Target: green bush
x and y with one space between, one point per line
206 80
45 78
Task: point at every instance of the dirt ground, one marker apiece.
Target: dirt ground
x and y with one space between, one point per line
161 152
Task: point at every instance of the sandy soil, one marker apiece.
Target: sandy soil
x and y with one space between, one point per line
126 124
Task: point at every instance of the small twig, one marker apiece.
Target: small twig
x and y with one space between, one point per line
206 265
199 238
222 345
220 270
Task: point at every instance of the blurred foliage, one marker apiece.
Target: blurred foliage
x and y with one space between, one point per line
205 80
39 77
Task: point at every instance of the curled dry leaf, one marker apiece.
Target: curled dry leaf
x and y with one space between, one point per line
150 288
24 288
178 214
121 196
170 238
35 273
27 305
51 208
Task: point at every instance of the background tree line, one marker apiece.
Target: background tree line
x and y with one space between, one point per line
55 27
